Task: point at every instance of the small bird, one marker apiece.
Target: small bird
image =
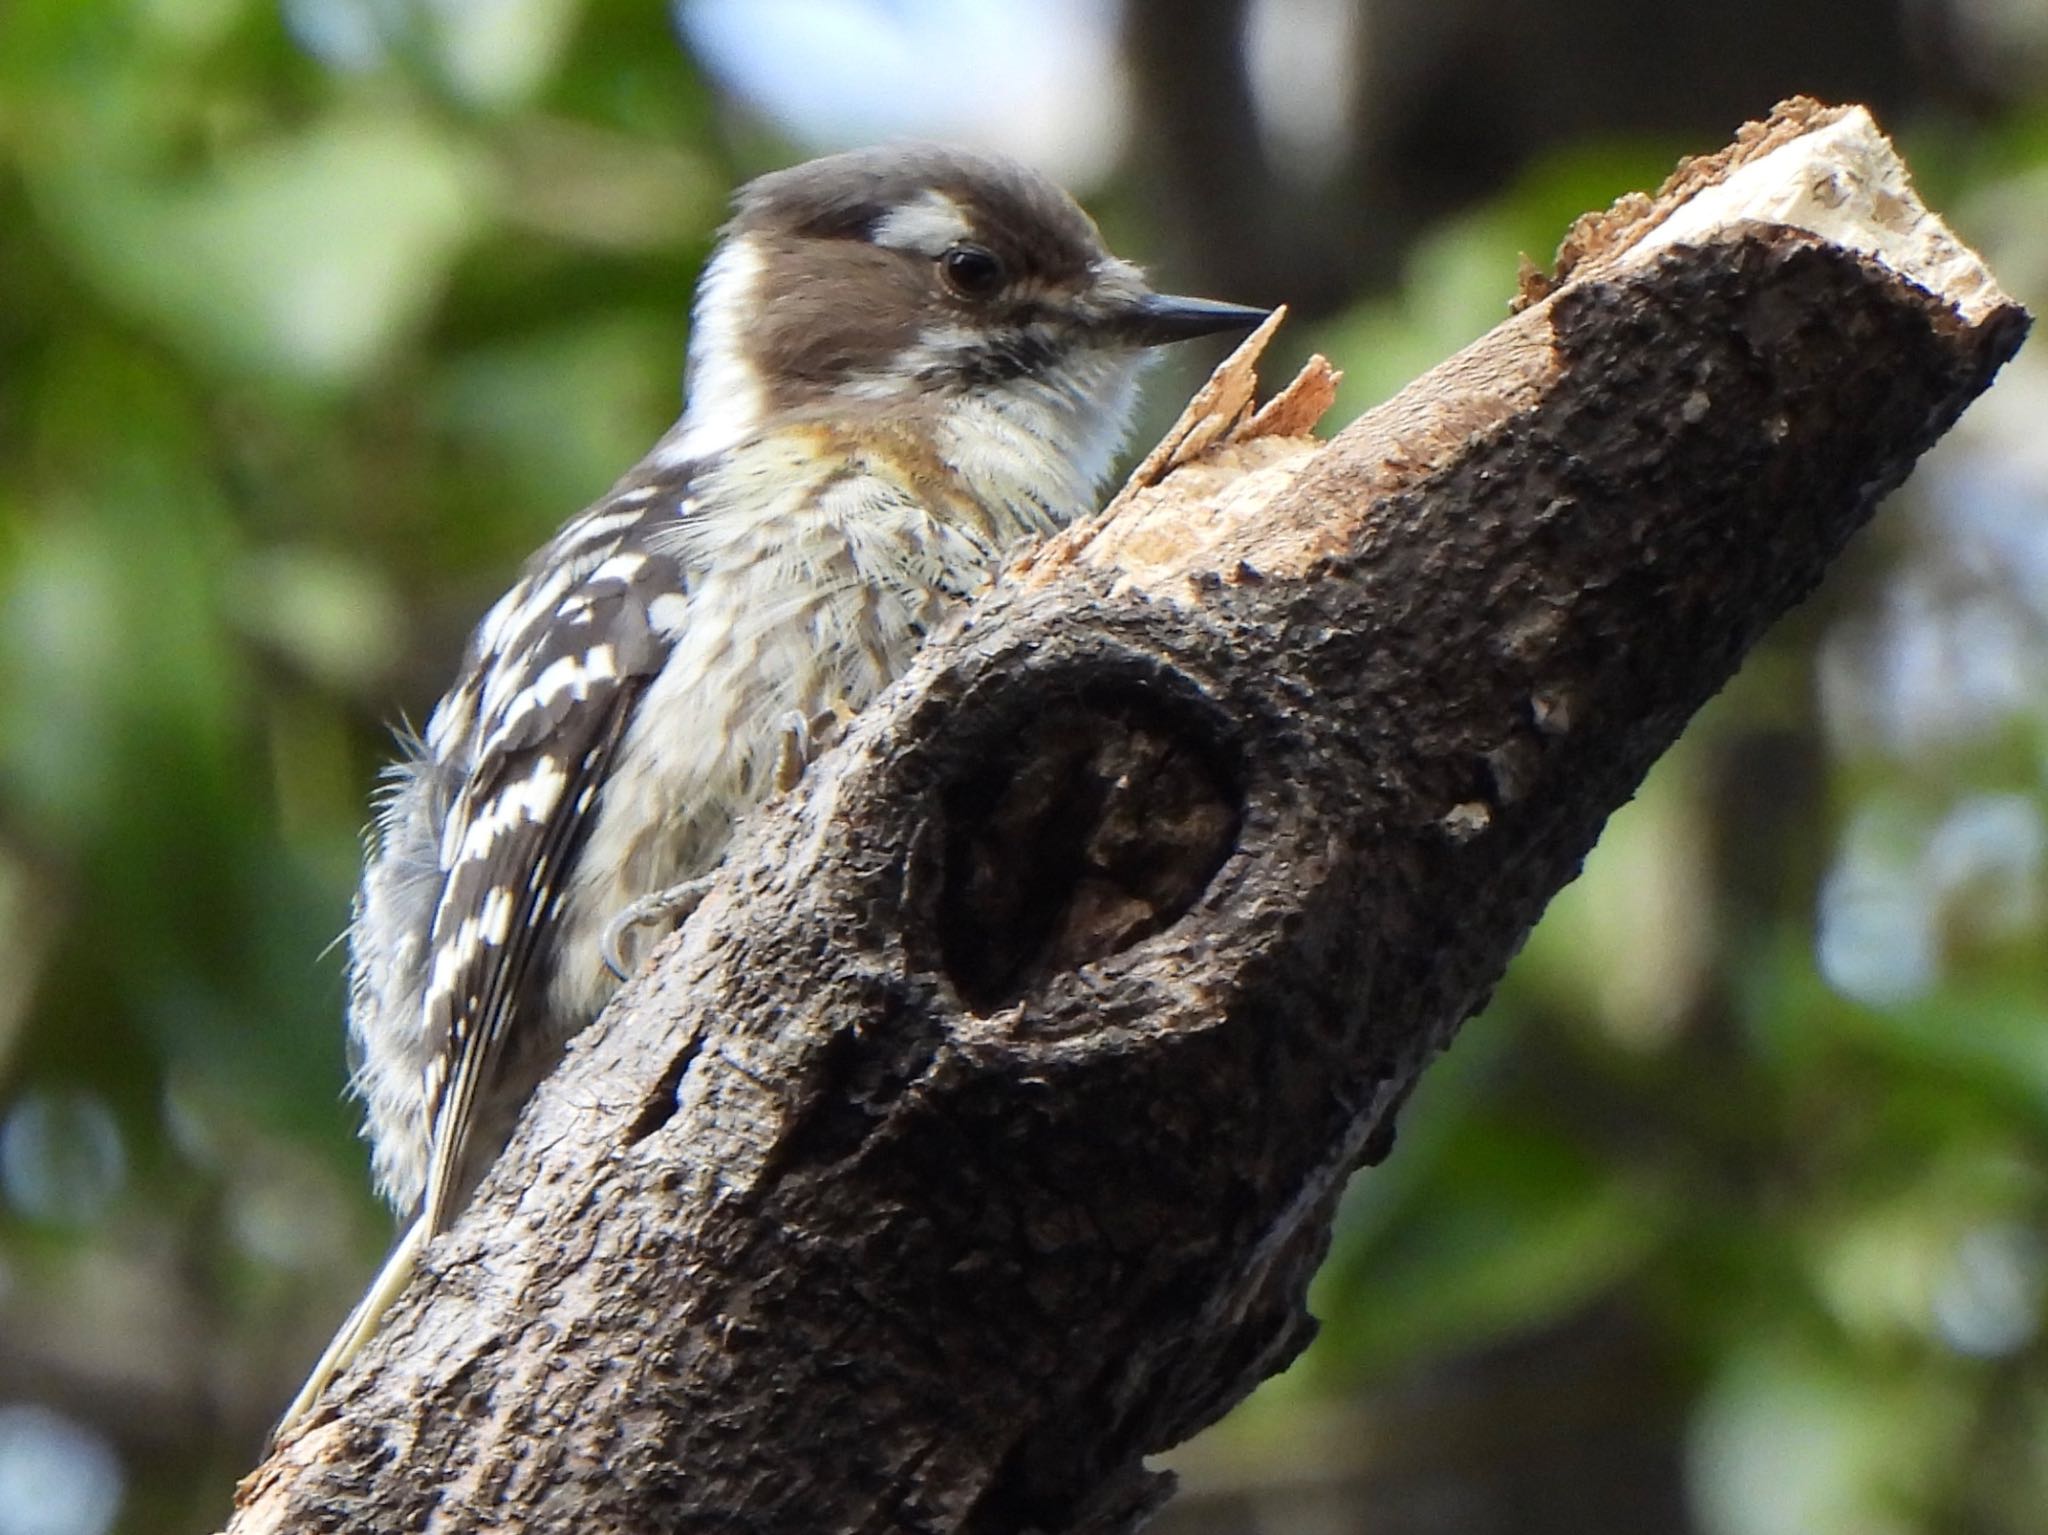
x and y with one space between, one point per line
905 363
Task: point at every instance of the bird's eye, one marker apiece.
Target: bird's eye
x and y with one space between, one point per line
971 271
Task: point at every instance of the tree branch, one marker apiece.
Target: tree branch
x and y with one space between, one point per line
980 1133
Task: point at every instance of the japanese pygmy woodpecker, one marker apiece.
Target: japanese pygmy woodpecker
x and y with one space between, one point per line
905 364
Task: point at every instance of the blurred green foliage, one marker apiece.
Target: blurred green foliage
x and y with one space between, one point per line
296 363
1763 1098
302 348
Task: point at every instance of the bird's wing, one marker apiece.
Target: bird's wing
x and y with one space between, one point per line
554 672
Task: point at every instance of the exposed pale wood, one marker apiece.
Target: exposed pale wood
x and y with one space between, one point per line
979 1134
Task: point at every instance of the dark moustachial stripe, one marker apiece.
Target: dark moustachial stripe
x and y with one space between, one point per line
836 306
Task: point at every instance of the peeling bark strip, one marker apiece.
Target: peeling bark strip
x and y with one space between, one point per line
980 1134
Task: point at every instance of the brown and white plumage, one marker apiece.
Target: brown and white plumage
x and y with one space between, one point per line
904 363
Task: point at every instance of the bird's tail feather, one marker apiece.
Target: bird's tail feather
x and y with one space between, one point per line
361 1325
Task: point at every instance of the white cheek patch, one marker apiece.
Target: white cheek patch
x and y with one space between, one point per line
727 400
924 227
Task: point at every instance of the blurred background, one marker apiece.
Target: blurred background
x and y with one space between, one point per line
1729 1217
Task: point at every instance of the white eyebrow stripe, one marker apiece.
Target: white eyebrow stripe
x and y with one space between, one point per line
925 226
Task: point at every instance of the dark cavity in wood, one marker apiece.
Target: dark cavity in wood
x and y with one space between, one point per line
1096 823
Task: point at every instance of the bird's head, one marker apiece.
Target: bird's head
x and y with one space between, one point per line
914 276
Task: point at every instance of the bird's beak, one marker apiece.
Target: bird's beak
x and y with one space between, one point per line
1158 318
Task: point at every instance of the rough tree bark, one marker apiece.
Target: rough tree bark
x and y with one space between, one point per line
979 1135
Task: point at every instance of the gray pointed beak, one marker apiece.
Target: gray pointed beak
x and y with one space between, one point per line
1158 318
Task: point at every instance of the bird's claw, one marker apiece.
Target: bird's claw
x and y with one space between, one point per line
804 736
672 905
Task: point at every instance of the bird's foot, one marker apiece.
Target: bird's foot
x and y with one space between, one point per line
804 737
672 906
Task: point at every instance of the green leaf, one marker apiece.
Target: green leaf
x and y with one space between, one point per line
310 258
